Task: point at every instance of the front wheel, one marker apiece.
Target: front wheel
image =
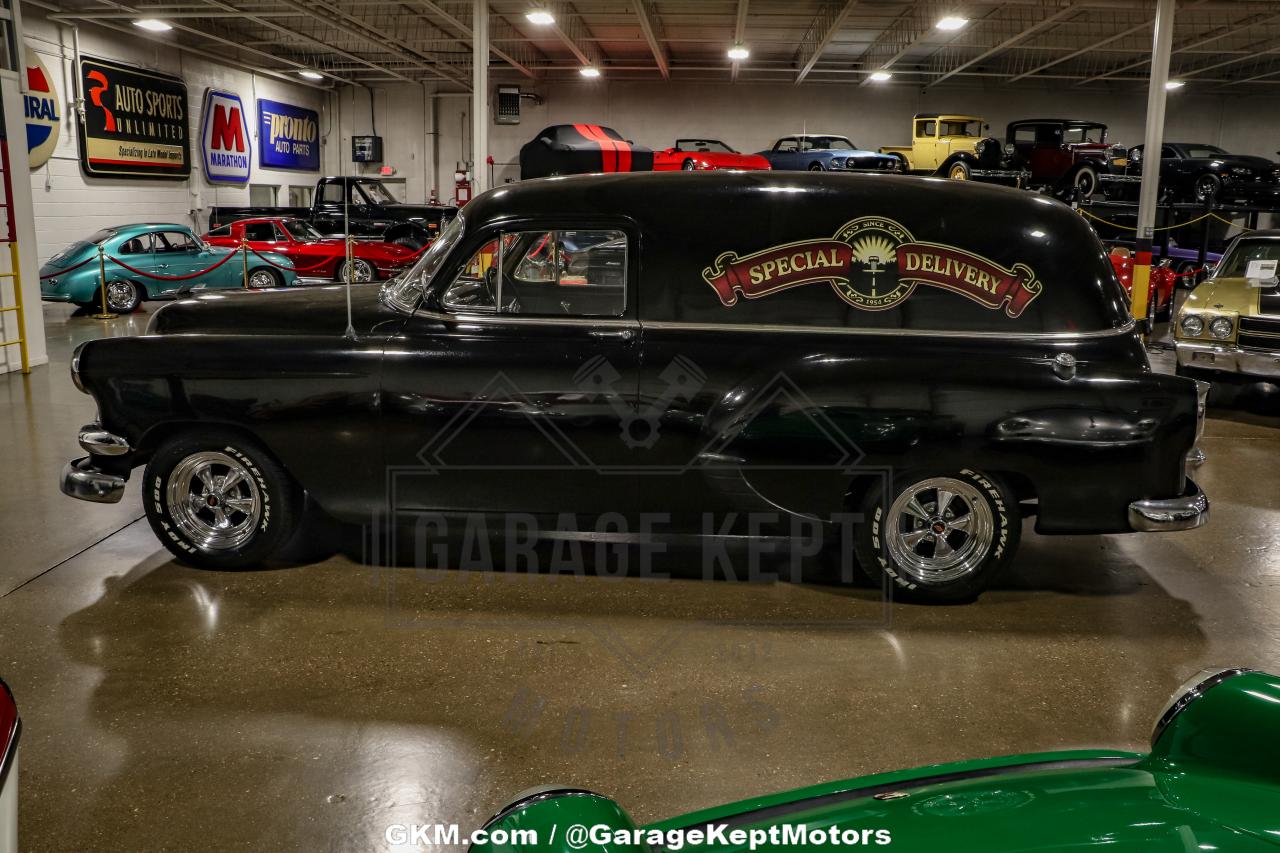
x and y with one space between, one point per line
688 166
218 500
265 277
959 171
1207 187
1085 183
816 167
361 271
940 537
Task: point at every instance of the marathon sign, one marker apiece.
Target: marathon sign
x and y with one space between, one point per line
224 138
134 123
288 137
42 110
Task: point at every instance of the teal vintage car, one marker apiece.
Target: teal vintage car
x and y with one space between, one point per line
1211 782
153 260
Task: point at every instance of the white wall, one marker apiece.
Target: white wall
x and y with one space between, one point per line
70 206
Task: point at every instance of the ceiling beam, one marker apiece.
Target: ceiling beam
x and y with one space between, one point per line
817 38
900 36
498 28
647 15
1006 43
573 33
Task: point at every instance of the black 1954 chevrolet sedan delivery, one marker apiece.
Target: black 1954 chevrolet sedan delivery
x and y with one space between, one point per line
935 361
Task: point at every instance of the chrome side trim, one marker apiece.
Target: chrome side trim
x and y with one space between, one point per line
1125 329
1191 690
537 795
1187 512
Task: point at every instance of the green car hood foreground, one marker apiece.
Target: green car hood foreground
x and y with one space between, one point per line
1211 782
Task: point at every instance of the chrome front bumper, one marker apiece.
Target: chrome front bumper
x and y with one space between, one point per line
1227 358
83 480
1187 512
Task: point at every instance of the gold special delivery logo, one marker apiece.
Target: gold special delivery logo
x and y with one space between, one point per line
873 263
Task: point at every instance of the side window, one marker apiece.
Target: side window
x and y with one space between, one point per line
1167 153
174 241
1024 135
331 193
260 232
222 231
926 128
139 245
788 145
565 273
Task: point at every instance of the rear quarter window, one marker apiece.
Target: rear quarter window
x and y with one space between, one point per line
920 257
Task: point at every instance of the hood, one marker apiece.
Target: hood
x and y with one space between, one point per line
318 310
1247 161
1224 294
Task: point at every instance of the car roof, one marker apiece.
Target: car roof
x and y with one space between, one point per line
961 116
148 225
1080 121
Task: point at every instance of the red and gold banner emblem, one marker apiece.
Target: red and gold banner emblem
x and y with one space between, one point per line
873 263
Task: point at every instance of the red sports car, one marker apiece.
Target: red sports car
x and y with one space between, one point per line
696 154
1163 280
312 254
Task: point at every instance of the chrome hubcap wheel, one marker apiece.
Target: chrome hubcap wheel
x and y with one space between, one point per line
120 295
939 530
214 501
958 173
360 271
262 278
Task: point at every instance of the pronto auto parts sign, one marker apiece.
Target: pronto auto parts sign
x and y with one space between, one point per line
43 111
224 138
873 263
134 124
288 137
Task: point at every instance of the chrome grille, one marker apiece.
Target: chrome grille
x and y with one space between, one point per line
1260 333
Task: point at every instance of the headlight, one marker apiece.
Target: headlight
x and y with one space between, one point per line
837 162
1191 690
1192 325
1008 148
1221 327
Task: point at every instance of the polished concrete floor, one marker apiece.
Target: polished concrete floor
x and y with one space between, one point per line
310 707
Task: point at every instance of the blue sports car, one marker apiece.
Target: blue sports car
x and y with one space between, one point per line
824 152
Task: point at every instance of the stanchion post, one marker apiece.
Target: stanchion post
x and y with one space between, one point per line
102 287
1204 232
244 262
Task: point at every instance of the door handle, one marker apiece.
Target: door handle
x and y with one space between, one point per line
613 334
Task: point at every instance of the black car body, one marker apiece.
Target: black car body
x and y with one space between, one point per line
803 345
357 205
581 149
1196 172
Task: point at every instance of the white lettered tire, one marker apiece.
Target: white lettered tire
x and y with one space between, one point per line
938 537
218 500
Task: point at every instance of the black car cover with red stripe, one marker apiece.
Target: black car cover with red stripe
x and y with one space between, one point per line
577 149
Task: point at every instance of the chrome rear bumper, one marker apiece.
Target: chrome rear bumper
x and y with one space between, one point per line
1186 512
83 481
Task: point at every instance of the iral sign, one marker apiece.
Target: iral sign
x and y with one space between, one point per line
225 138
42 109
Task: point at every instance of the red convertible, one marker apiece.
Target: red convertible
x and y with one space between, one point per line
695 154
1163 280
312 254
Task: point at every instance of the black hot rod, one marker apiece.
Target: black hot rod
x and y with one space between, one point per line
817 346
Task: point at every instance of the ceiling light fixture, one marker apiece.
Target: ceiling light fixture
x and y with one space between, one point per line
1174 84
880 76
541 17
952 22
310 75
155 25
738 52
589 71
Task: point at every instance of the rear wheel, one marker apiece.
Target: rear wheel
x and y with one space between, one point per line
123 297
959 171
939 537
361 271
816 167
265 277
218 500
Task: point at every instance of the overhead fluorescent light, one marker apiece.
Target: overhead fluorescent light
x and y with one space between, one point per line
155 25
738 52
589 71
310 75
952 22
541 17
1174 84
880 76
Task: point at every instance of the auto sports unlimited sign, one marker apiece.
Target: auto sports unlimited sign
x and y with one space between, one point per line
288 137
42 109
134 123
224 138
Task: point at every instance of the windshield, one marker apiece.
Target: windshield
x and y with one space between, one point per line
827 143
404 292
1236 262
1205 151
300 230
703 145
1087 133
376 192
961 128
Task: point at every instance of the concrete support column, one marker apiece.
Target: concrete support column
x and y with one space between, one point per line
480 96
1156 96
